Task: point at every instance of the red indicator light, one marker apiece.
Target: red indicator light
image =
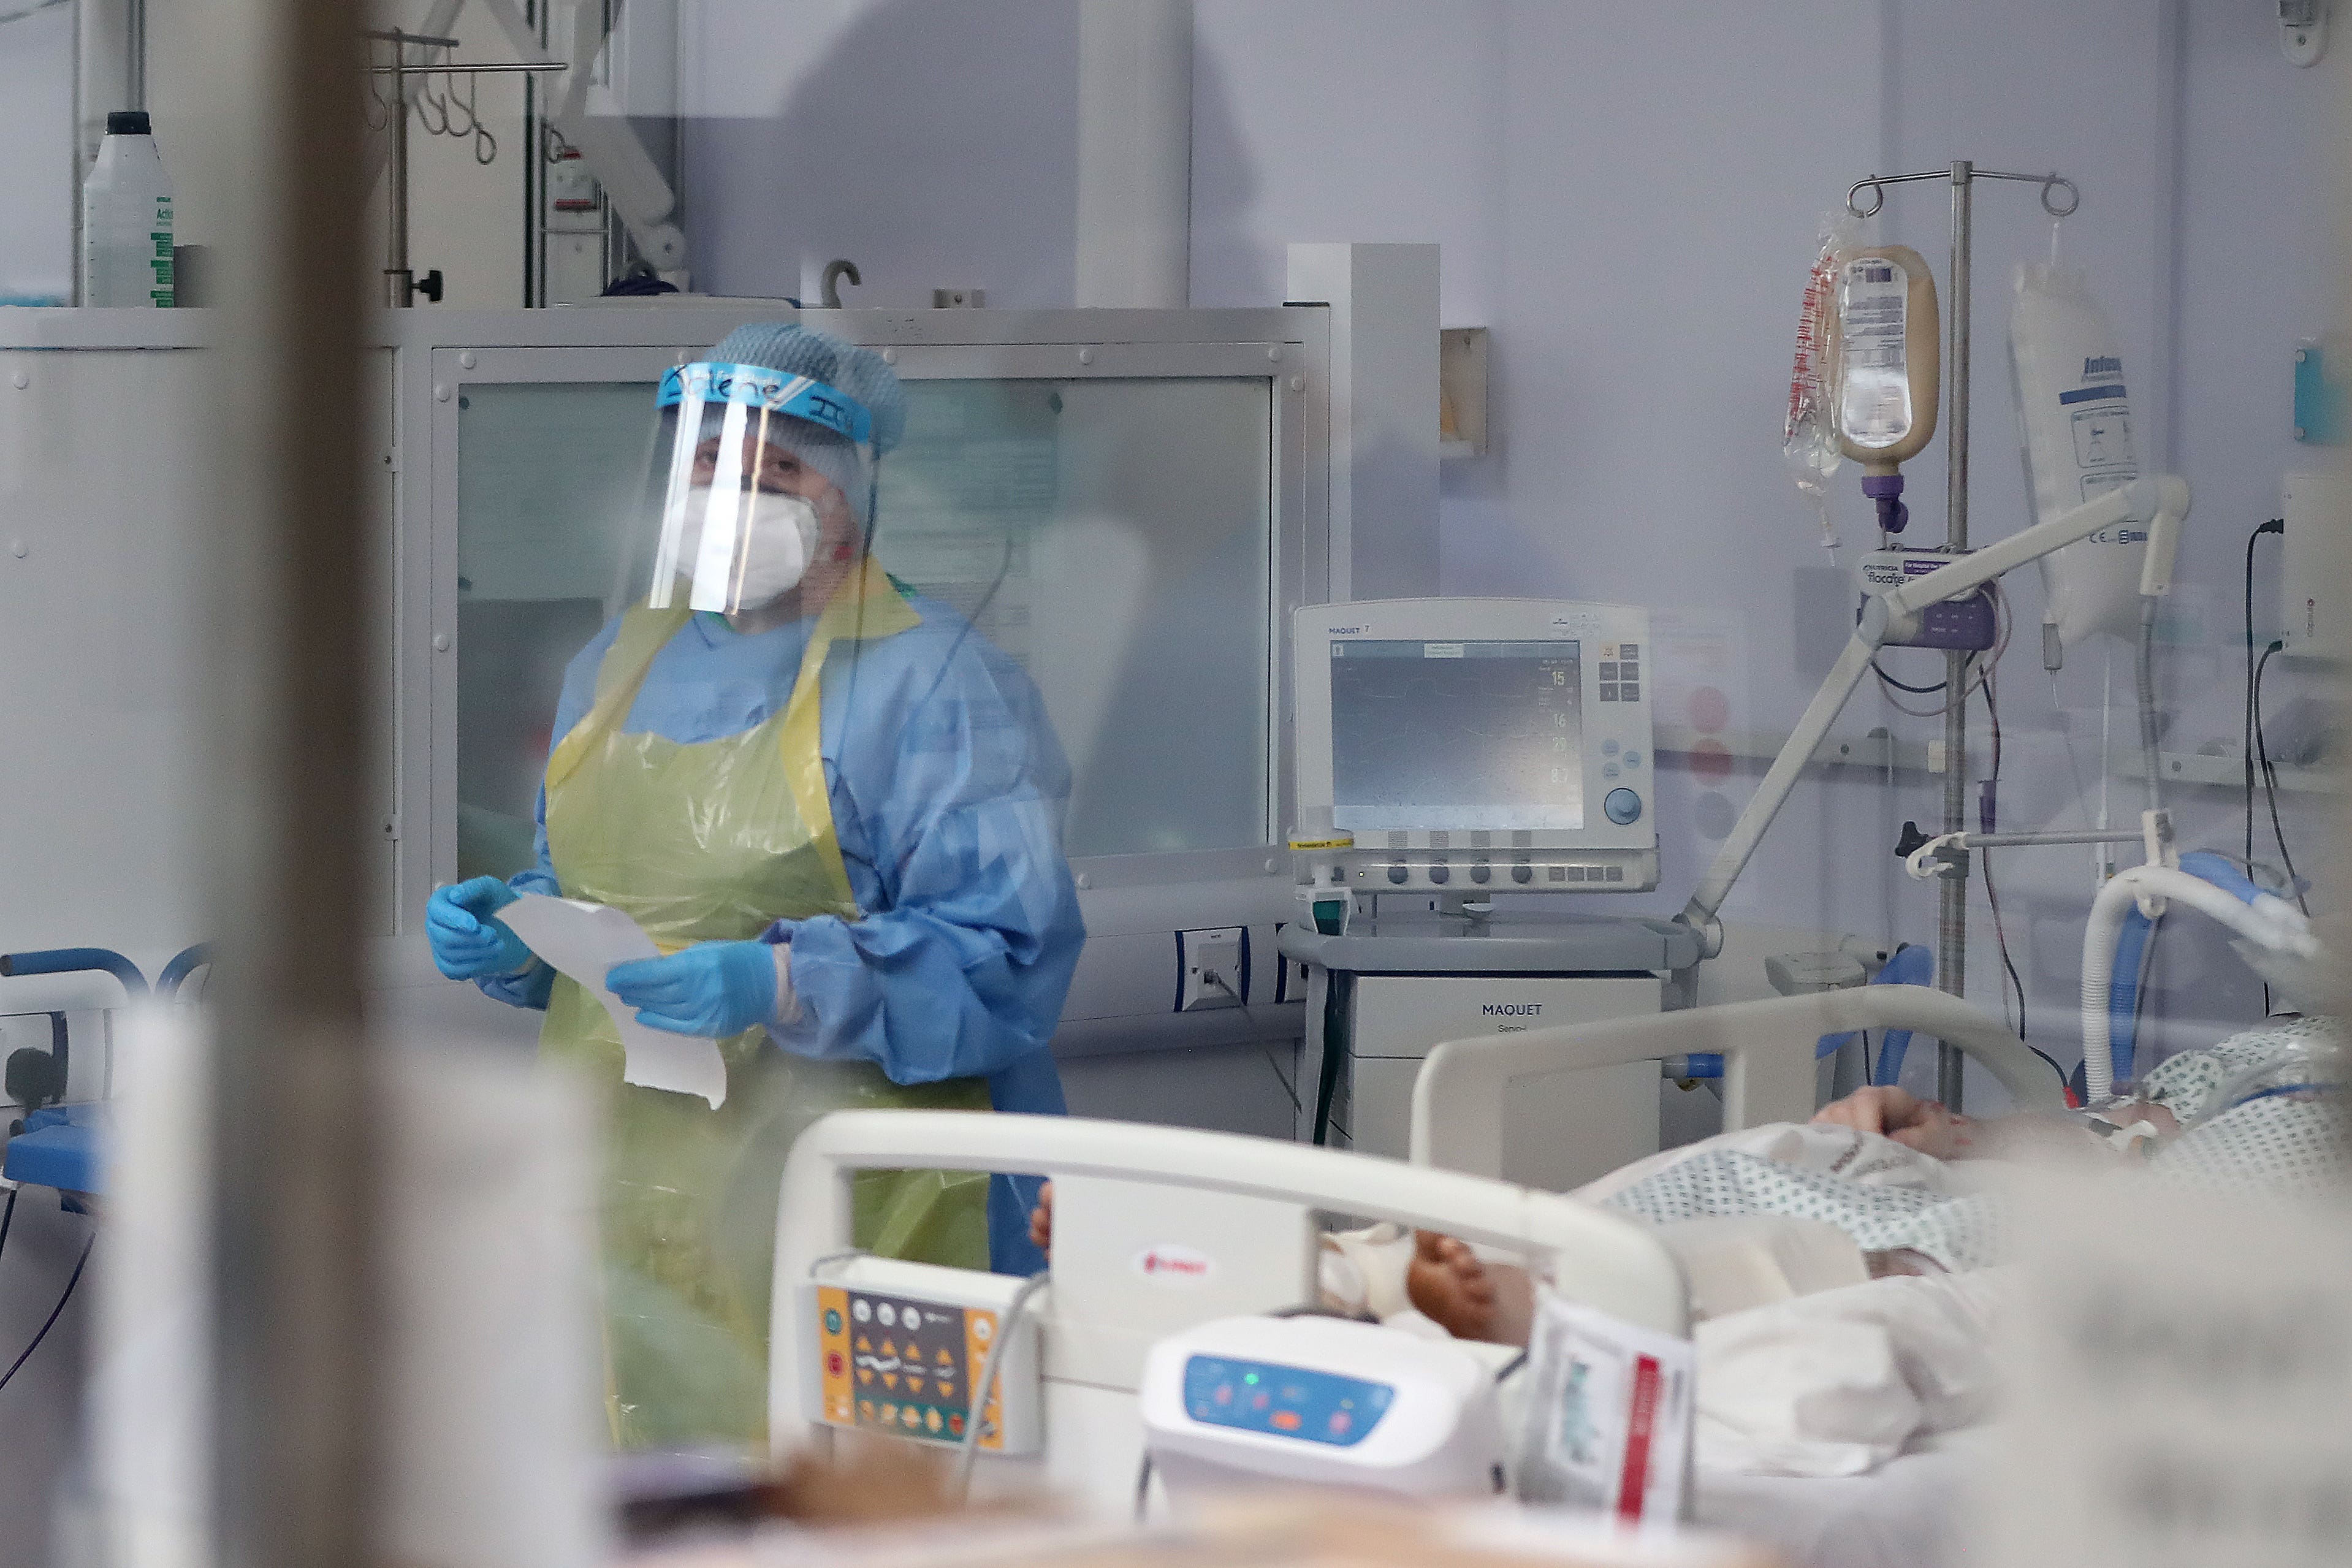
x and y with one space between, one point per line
1285 1420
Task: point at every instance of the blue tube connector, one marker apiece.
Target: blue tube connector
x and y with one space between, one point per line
75 961
184 964
2131 954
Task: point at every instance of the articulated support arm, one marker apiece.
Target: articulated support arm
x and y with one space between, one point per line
1891 615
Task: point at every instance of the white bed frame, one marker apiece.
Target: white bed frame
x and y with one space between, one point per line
1767 1062
1242 1211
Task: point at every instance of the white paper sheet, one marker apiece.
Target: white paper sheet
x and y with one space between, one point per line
1608 1423
582 941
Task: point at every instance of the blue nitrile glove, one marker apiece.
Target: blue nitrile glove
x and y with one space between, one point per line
714 988
468 941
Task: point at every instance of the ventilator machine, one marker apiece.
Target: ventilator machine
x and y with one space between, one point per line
1450 750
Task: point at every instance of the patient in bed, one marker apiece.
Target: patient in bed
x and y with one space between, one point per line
1844 1273
1913 1188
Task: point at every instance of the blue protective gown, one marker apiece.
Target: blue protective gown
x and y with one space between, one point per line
948 789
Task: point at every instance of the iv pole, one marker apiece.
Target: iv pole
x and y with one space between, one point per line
1952 903
1888 617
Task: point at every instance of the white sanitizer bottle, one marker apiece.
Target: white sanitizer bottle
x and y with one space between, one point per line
126 219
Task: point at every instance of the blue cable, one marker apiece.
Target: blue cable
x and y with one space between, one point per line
184 964
74 960
2291 1088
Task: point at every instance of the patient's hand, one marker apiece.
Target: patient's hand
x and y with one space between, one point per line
1915 1123
1041 1220
1455 1289
1447 1284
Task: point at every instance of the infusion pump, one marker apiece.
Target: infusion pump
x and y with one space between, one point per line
1475 746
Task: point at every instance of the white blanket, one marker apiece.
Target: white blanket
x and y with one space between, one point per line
1839 1382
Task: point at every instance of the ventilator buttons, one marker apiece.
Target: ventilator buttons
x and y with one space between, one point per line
1397 873
1622 806
1523 873
1480 872
1441 873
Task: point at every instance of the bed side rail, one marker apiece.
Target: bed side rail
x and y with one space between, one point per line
1768 1061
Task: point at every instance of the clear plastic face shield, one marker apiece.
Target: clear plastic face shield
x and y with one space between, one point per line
759 482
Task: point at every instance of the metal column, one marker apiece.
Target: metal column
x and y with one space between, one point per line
399 278
1952 903
297 1425
1952 893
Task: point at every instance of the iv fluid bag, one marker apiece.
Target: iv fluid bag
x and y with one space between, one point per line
1886 337
2074 418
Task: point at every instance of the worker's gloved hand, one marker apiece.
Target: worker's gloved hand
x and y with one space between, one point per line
714 988
469 942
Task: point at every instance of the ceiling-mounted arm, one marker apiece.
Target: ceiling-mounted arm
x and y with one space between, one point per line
641 196
1891 616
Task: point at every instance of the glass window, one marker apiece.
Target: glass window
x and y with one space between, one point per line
1113 536
542 468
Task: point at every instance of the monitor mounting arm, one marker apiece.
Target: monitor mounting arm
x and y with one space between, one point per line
1891 615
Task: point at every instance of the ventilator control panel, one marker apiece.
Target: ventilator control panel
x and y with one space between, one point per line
1476 746
900 1348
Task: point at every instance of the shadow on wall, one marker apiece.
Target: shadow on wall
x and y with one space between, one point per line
1225 188
935 145
934 148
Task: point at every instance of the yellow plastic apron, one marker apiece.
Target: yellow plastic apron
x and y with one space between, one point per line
713 842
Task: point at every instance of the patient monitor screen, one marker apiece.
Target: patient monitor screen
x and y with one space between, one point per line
1456 735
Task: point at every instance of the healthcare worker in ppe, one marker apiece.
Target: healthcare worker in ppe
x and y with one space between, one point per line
837 810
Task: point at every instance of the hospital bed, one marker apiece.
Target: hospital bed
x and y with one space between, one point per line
1767 1050
1156 1230
1906 1511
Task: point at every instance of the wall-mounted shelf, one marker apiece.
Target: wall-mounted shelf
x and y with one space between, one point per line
1460 392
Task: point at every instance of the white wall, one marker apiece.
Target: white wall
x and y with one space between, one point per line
37 184
1629 200
933 145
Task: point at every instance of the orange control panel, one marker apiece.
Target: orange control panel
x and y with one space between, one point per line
890 1363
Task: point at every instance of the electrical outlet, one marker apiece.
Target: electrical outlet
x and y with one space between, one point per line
1289 973
1213 968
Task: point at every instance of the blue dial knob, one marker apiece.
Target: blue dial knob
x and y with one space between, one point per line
1622 806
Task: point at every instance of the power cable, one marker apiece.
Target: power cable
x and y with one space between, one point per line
1007 1322
2246 742
1993 893
2270 781
55 1312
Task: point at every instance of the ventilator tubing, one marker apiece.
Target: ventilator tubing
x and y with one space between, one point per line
2263 919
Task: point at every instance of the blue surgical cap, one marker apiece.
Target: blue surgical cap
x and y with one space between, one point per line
795 350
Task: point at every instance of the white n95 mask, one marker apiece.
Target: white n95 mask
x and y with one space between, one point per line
708 535
755 556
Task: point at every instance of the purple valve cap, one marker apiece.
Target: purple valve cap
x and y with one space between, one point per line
1886 490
